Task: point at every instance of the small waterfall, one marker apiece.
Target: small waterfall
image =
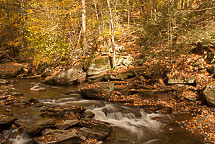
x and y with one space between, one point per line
137 125
19 137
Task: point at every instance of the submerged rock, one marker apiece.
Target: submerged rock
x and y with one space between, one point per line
37 88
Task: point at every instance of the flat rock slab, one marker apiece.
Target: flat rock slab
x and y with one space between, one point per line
94 129
61 137
68 123
36 128
62 111
11 69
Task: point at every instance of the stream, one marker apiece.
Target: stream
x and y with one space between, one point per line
130 125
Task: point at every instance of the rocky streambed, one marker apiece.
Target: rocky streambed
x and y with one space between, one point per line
35 113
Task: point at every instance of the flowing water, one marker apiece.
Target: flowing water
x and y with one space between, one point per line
130 125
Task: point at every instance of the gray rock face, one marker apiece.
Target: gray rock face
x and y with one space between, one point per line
180 80
209 93
103 63
99 65
111 76
67 77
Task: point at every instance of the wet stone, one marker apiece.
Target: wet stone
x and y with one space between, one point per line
37 88
61 137
94 129
68 124
36 128
6 121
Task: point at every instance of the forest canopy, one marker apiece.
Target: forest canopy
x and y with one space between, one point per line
62 31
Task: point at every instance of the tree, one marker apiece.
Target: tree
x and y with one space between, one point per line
112 34
84 25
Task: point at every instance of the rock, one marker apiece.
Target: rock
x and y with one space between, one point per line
94 129
99 65
122 75
111 76
67 124
62 111
124 60
89 114
6 121
209 93
210 57
67 77
211 69
35 129
52 131
101 90
190 95
16 94
181 80
151 72
37 88
96 78
11 69
3 81
66 138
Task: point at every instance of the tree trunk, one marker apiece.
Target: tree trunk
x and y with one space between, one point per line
97 16
84 25
128 8
112 34
21 23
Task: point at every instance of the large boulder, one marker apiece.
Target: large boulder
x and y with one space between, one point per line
209 93
101 90
67 77
99 65
11 69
